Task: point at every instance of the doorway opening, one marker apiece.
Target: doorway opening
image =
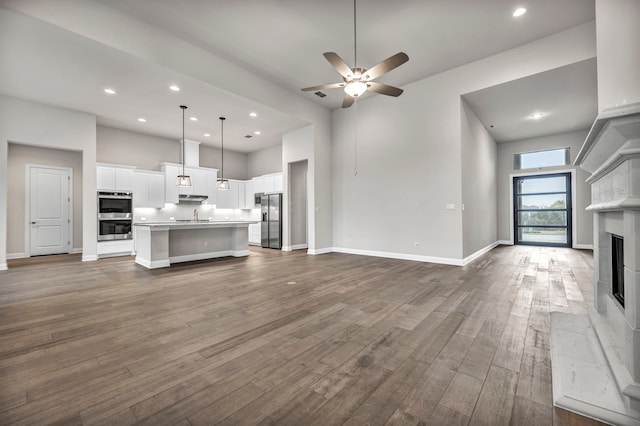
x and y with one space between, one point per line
542 210
298 208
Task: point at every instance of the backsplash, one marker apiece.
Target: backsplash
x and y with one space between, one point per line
185 211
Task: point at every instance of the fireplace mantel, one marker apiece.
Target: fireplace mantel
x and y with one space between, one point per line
596 357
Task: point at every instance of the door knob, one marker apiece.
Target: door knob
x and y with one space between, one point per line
33 223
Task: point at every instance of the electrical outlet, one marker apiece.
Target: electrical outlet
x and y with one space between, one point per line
450 206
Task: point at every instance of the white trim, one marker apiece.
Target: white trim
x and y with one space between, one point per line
574 228
299 246
467 260
320 251
152 264
15 256
89 258
27 204
3 267
286 248
505 242
210 255
583 246
76 250
401 256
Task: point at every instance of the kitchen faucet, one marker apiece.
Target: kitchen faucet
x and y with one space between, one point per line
195 215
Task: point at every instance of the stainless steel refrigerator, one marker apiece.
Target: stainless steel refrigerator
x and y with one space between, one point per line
271 206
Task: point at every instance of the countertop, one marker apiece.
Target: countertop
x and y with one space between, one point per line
189 224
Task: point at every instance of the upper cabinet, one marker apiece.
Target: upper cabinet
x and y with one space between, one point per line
203 182
148 189
230 198
114 178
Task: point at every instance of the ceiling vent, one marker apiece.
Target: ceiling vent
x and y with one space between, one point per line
248 136
320 94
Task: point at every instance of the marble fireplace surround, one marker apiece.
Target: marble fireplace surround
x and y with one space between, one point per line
596 357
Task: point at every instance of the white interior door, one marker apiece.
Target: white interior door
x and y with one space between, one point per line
48 215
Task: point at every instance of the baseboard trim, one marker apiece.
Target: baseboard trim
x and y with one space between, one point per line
76 250
211 255
505 242
467 260
400 256
320 251
286 248
583 246
152 264
3 267
15 256
89 258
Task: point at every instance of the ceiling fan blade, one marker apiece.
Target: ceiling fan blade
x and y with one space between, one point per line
385 66
384 89
338 63
323 86
347 102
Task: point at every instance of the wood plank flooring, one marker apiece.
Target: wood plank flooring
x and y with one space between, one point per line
286 339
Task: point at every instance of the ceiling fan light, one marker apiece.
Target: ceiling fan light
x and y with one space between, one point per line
183 181
223 184
355 88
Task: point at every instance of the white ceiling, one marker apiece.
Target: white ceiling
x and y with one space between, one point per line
280 40
567 97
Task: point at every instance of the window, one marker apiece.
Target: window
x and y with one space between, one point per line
542 210
537 159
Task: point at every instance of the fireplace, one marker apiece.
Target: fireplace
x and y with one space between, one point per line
596 357
617 268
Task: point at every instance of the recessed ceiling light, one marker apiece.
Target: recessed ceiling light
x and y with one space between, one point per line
536 115
257 132
193 119
109 91
206 135
519 12
142 120
174 88
253 114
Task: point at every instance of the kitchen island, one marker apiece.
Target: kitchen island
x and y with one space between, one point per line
159 244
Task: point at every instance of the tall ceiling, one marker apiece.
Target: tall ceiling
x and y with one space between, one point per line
280 40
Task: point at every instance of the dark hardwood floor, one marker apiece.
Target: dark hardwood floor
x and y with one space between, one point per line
286 339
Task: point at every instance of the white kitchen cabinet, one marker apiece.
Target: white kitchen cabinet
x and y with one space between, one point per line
249 192
228 199
148 189
203 181
114 178
268 183
114 248
254 233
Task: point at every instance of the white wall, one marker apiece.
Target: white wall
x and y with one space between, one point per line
19 156
618 52
147 152
581 193
36 124
479 184
410 154
265 161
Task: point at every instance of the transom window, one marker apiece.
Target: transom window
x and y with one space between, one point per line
537 159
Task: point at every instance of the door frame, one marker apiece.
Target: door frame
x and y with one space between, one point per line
27 204
572 173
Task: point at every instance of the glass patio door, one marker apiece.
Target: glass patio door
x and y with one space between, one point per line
542 210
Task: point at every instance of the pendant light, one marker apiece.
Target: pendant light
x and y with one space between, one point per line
223 184
183 180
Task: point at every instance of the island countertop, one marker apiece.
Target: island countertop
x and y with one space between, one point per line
189 224
159 244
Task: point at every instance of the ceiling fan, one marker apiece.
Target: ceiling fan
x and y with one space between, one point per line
357 80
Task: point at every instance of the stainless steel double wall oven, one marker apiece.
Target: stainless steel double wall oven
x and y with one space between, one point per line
115 216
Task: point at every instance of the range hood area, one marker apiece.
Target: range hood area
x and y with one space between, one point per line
190 198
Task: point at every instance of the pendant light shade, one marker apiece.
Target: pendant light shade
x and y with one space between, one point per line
222 184
183 180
